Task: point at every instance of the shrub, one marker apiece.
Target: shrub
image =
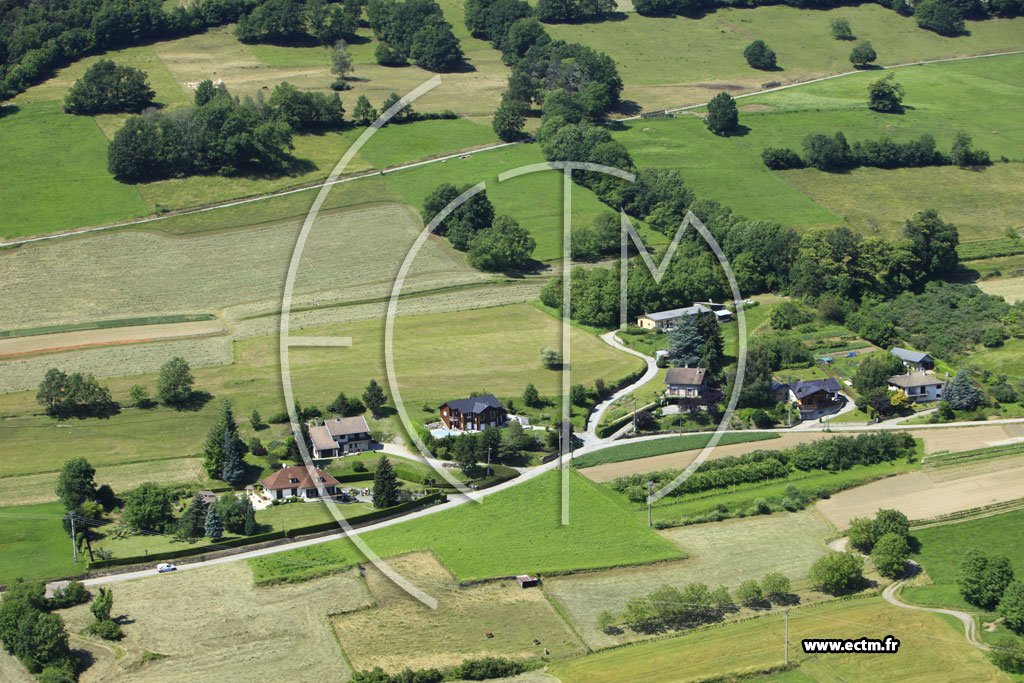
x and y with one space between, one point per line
1008 654
840 29
749 594
781 158
488 667
106 629
776 587
760 56
862 54
837 573
890 555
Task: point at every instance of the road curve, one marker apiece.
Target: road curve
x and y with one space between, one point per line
970 625
589 436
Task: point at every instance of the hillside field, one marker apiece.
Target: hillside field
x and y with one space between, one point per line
979 96
931 648
513 334
515 531
940 550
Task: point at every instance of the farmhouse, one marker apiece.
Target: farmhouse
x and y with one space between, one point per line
340 436
664 320
685 382
296 481
914 360
815 397
474 413
919 387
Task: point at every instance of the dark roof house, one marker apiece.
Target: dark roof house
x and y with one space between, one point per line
804 388
915 359
475 412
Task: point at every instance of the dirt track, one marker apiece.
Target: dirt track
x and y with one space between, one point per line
20 346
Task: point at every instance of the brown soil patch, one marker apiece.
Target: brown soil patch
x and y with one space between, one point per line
756 107
61 341
614 470
957 439
918 497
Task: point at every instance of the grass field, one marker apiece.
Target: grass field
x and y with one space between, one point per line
940 550
34 545
978 96
677 61
931 649
479 541
253 381
213 624
420 637
646 449
55 173
719 555
1011 289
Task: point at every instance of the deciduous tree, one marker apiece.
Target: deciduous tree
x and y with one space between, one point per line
174 383
723 116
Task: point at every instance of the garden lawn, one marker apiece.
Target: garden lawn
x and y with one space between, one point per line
931 648
34 545
512 532
980 97
940 550
675 444
54 167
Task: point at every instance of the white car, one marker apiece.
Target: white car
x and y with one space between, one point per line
161 568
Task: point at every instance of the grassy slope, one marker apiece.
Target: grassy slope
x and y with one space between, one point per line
756 645
512 532
512 334
33 544
943 547
980 96
675 62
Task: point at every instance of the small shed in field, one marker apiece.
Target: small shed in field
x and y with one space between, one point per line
527 581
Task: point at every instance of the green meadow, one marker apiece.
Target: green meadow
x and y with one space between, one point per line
515 531
981 97
34 545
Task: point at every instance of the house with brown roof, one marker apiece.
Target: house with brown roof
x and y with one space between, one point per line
919 387
815 397
474 413
685 382
340 436
297 481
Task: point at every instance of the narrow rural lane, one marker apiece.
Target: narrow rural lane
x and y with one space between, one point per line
589 436
970 625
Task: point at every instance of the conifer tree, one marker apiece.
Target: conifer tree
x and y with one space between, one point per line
374 397
214 527
385 484
213 449
234 468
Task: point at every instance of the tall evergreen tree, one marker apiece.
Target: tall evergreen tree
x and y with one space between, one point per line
385 484
250 519
234 469
685 343
531 397
191 524
960 393
374 398
213 449
214 527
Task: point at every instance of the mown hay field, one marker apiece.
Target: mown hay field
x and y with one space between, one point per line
719 554
1011 289
515 531
400 632
238 630
932 648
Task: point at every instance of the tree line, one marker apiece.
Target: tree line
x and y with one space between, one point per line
834 154
416 30
298 21
835 454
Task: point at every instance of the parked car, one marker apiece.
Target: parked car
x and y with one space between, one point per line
165 567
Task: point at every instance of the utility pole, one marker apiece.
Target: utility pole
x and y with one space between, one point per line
489 461
634 415
650 488
786 636
74 540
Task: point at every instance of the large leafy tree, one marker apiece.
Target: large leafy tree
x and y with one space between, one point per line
63 394
505 246
723 116
875 370
890 555
76 483
509 120
886 95
107 88
760 56
435 48
934 242
1011 606
174 383
836 573
862 54
385 484
148 507
941 16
